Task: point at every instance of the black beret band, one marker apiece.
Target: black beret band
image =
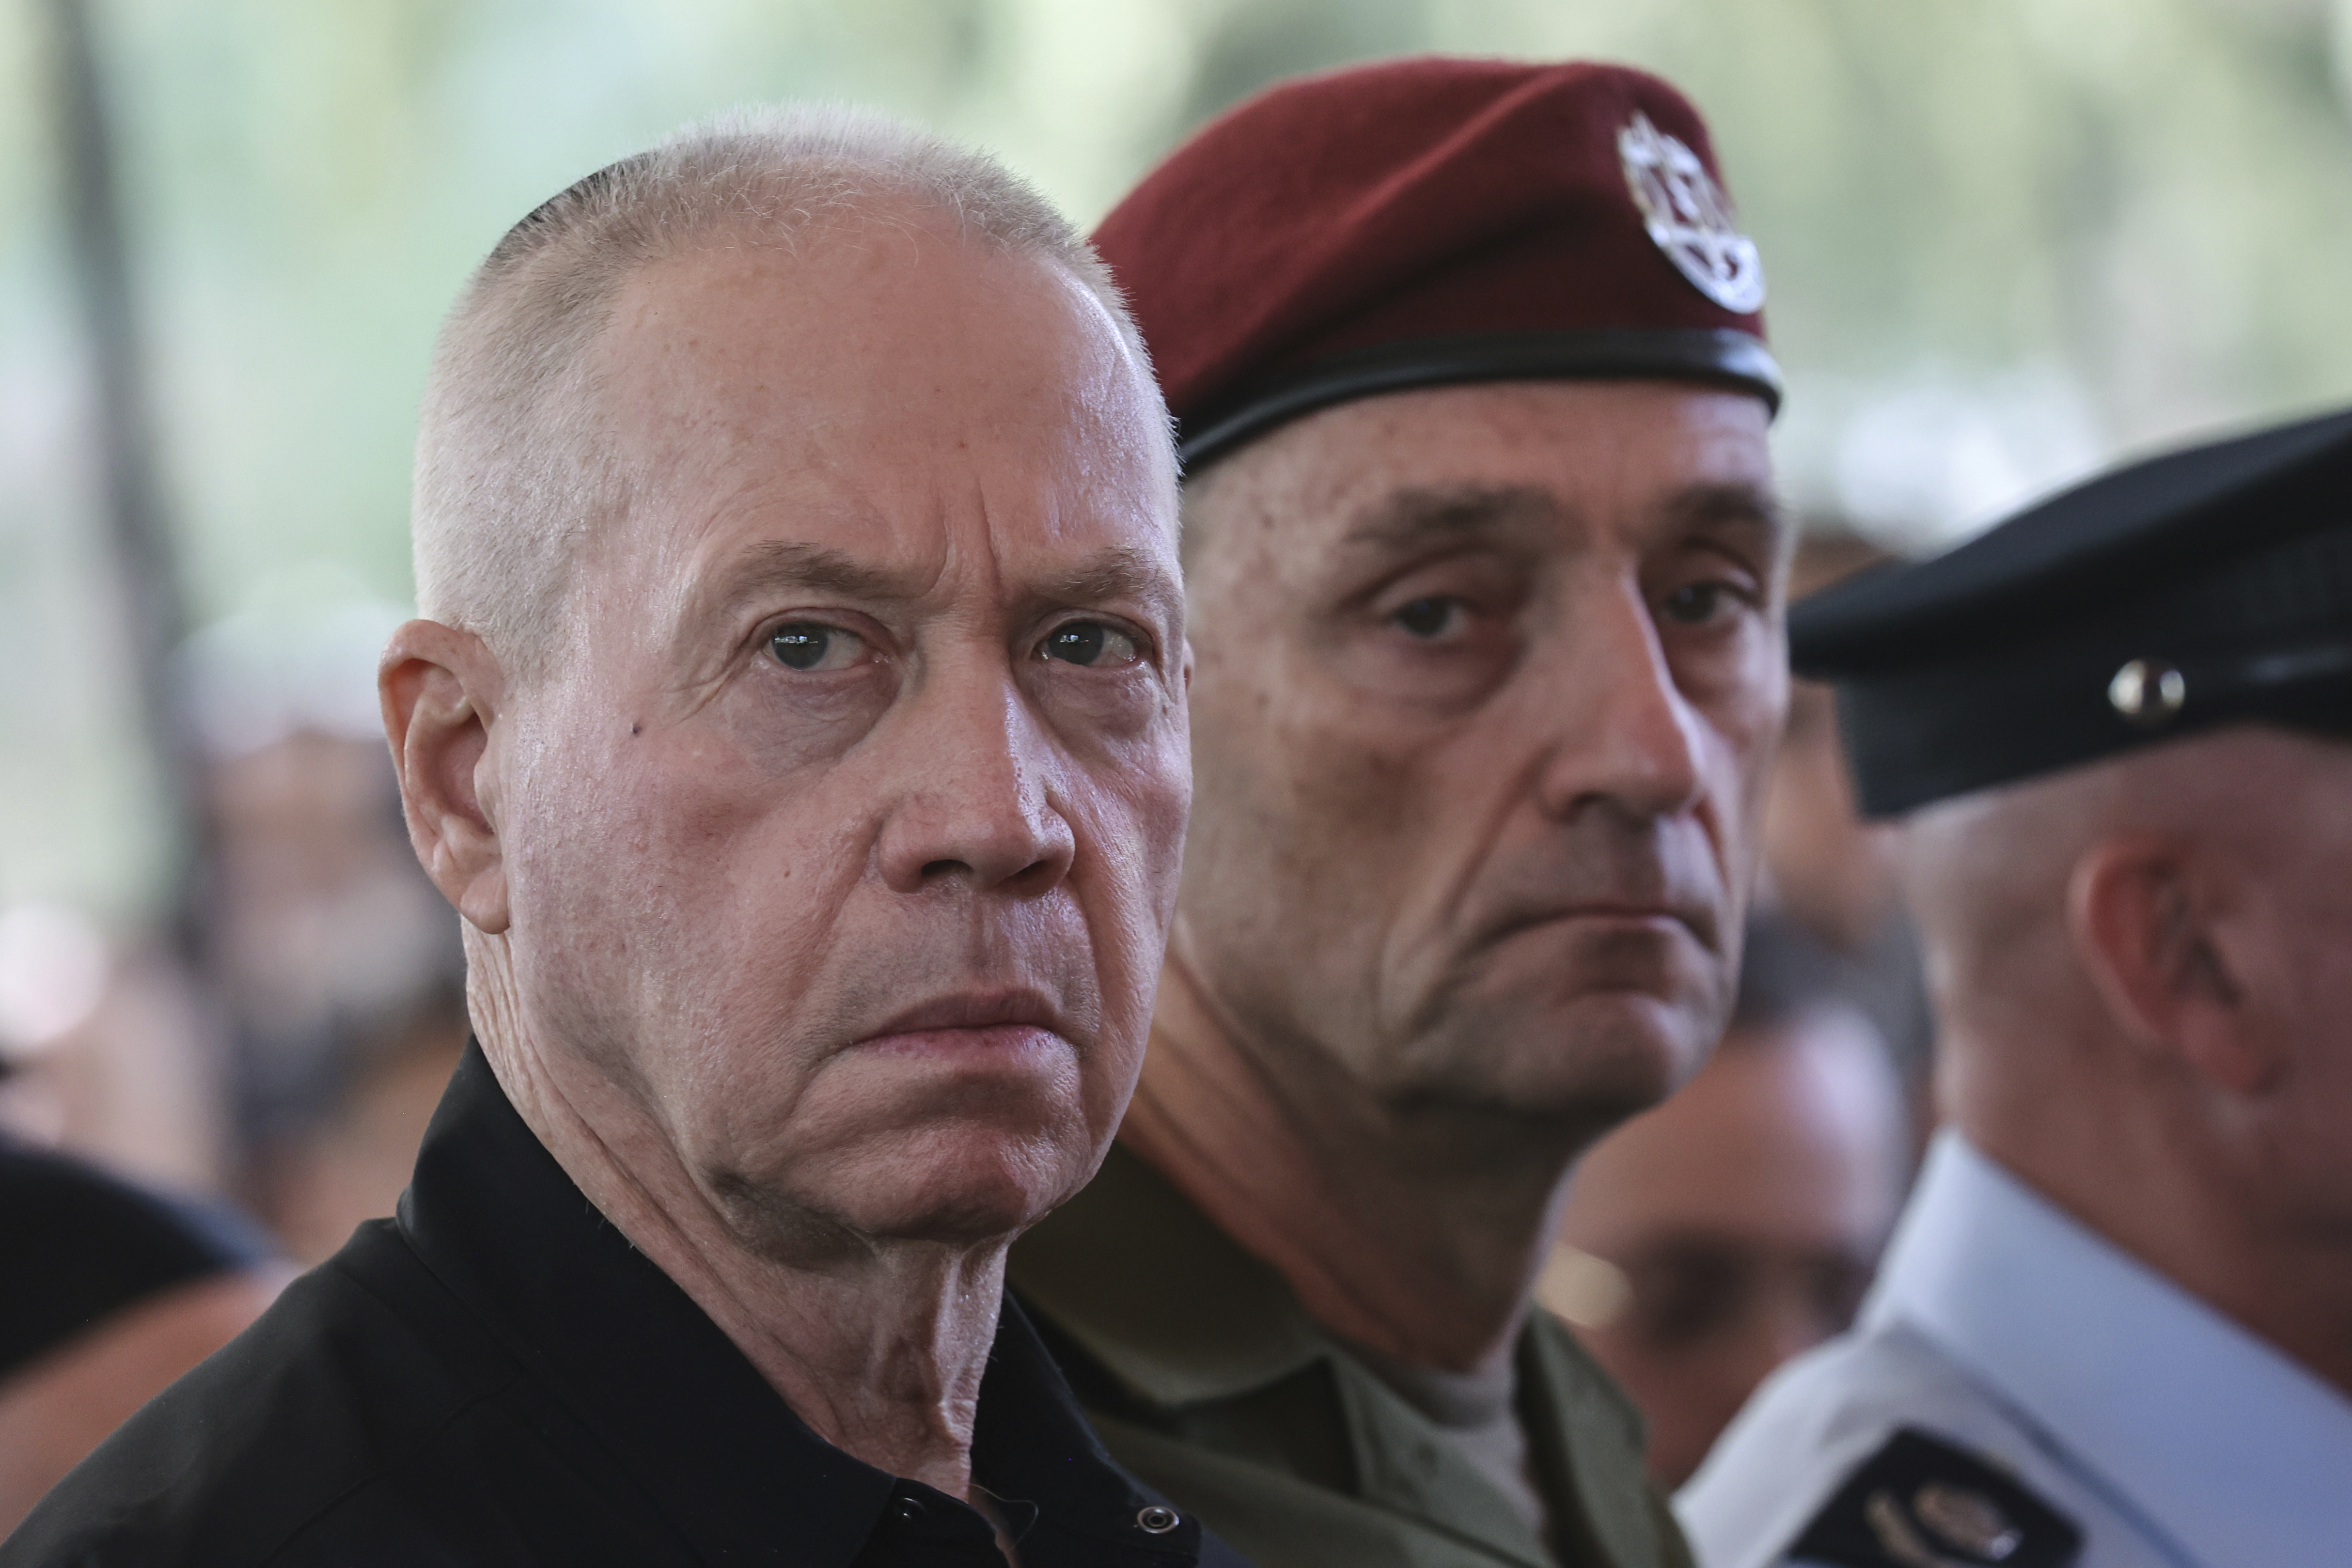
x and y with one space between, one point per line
1723 356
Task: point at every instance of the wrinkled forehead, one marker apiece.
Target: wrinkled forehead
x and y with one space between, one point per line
871 380
1405 469
905 324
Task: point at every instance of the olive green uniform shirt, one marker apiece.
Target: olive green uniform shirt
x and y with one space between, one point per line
1208 1380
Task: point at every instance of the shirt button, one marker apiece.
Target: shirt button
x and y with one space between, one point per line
1156 1519
909 1510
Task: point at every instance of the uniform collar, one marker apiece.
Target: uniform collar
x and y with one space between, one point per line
1178 1314
1149 1286
718 1454
2188 1421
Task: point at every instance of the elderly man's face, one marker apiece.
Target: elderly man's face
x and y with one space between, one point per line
1488 680
845 834
2272 808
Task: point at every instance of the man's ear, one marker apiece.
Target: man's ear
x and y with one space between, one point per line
2146 912
440 689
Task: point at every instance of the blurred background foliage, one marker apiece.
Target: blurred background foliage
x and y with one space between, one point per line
2006 239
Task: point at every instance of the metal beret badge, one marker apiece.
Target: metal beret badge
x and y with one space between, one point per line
1688 217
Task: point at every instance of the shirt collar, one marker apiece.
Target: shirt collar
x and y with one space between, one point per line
1178 1312
719 1454
2226 1445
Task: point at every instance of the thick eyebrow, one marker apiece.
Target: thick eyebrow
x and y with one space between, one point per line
1742 520
817 568
1407 520
1415 519
1120 571
1734 502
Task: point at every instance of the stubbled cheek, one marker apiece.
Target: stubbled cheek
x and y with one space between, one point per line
662 832
1129 820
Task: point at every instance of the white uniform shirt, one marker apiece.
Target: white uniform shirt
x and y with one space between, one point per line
2169 1435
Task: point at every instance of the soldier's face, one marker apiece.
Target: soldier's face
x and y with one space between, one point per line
1488 680
845 838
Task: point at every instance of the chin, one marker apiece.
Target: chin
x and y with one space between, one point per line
1629 1051
1590 1061
960 1186
957 1148
1583 1017
961 1182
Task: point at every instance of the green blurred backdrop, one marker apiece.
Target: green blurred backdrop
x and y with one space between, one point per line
2005 238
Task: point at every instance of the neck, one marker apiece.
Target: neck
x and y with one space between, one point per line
876 1344
1415 1235
2154 1180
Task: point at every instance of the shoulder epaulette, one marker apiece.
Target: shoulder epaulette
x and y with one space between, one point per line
1920 1502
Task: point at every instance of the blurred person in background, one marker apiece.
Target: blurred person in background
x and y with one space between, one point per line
114 1051
326 943
2114 1327
1826 869
108 1291
1708 1241
1485 565
121 1267
800 732
297 1070
239 1067
348 1159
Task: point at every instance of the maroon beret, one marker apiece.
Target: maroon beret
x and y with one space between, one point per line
1432 221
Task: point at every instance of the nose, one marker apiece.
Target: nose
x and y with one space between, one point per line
1623 734
971 776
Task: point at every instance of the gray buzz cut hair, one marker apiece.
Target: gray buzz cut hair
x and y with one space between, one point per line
511 472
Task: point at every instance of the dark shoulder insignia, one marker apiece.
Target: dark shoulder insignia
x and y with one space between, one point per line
1919 1502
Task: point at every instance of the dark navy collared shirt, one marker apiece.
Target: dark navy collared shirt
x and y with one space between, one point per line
498 1377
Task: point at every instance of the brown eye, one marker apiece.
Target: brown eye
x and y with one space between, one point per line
1696 603
1430 617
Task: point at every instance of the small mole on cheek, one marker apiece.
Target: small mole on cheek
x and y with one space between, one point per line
637 729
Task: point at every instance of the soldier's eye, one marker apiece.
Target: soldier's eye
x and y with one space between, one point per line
1089 644
1430 617
812 645
1696 604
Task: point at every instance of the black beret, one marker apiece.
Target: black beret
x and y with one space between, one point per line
2206 586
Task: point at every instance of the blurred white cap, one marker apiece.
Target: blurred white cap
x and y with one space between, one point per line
299 654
